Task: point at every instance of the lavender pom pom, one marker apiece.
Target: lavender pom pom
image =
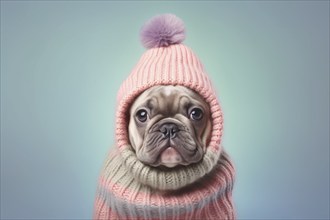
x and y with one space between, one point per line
162 31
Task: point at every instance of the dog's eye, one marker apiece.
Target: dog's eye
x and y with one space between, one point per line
142 115
196 114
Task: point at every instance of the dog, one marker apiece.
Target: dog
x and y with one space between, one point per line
169 126
168 161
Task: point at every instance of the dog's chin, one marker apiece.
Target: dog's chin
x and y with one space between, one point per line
170 158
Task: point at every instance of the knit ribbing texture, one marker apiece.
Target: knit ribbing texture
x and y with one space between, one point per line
121 196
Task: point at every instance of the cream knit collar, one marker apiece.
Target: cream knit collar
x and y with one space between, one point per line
171 179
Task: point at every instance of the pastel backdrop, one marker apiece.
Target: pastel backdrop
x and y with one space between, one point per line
62 63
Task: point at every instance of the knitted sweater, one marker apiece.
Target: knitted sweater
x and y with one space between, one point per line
127 190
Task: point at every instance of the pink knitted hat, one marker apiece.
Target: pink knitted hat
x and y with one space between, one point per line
167 62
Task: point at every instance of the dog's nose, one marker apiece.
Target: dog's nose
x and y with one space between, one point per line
169 130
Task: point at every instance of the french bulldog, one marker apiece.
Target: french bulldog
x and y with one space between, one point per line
168 161
169 126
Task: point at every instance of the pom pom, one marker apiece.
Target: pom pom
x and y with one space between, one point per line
162 31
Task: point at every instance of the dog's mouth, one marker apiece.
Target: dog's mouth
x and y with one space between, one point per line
170 152
170 157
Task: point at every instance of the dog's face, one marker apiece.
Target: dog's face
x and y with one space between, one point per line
169 126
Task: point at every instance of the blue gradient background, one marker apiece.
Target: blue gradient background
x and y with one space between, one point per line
63 62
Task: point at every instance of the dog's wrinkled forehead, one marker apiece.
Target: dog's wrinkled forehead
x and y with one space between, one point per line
166 98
